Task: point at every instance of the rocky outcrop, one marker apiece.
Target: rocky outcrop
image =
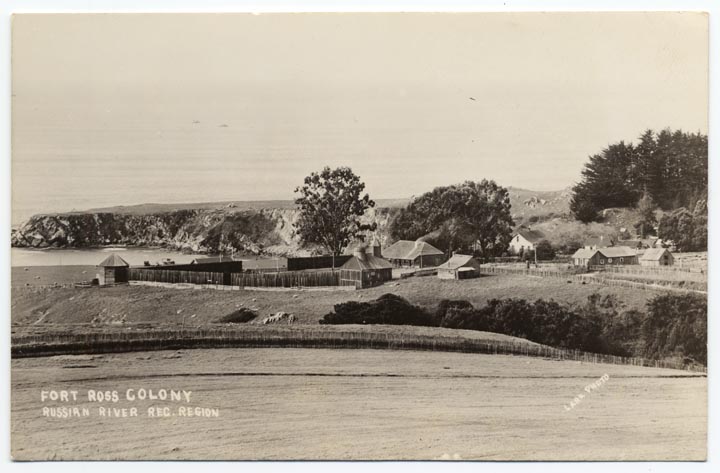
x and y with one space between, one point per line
267 231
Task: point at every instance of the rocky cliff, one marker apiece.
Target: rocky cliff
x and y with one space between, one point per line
263 231
250 227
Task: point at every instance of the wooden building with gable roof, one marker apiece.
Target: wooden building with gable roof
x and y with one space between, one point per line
365 269
459 267
416 254
114 270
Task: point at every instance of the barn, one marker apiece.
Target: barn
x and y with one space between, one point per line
114 270
524 240
612 256
657 257
459 267
365 270
413 254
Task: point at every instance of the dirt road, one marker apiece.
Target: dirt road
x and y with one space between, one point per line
352 404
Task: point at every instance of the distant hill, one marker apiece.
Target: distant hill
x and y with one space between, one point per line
541 204
235 205
525 203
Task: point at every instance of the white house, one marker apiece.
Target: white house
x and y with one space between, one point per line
524 240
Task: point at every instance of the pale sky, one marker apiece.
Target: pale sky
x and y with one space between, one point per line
122 109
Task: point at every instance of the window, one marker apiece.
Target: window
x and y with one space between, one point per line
622 260
609 260
602 261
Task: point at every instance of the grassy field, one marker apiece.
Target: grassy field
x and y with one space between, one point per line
155 305
359 404
33 276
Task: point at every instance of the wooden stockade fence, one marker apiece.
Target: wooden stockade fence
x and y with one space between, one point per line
175 276
51 344
287 279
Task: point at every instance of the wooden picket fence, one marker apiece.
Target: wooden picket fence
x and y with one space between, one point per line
655 272
287 279
580 275
558 274
57 343
175 276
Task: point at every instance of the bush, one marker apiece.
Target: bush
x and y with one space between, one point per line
676 325
386 309
445 305
240 316
545 251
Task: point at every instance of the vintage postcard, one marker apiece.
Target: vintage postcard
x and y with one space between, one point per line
359 236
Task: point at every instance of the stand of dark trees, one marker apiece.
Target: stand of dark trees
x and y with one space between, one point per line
670 167
672 325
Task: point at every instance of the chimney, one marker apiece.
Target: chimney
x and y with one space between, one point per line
376 248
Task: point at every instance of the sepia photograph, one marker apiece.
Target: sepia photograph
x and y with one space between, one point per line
470 236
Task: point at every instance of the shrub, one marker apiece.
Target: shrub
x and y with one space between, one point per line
447 304
386 309
240 316
545 251
676 325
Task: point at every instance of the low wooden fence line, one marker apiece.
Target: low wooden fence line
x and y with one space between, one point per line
173 339
287 279
531 272
175 276
589 278
649 269
646 286
653 273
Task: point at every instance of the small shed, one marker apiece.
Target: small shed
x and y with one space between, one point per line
365 270
657 257
459 267
114 270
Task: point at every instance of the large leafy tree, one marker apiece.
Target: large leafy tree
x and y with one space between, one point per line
331 203
471 215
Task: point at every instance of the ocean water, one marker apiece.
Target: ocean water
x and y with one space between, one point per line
70 257
135 256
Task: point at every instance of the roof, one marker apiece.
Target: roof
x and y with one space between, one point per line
653 254
533 236
406 249
617 252
366 261
456 261
584 253
113 261
213 259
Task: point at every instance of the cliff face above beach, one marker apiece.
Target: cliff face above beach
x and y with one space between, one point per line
263 231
